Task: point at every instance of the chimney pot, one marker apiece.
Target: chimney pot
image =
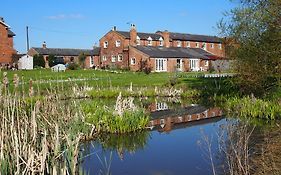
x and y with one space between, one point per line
114 28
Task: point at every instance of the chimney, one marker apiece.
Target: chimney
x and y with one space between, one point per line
44 45
166 36
2 19
133 35
114 28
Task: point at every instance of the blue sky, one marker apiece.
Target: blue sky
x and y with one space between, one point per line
81 23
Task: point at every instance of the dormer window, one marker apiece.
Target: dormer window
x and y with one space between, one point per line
118 43
138 40
188 44
105 44
149 40
161 43
197 45
178 43
220 46
204 46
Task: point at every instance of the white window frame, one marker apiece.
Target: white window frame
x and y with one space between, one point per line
149 39
113 58
204 45
133 61
104 58
180 65
187 43
161 41
220 46
105 44
117 43
138 41
161 64
92 63
160 106
212 45
194 64
120 58
179 43
197 45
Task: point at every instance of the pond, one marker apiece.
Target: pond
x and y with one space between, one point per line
171 144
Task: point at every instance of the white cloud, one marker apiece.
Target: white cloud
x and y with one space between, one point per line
65 16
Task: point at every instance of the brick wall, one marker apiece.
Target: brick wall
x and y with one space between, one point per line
6 45
112 50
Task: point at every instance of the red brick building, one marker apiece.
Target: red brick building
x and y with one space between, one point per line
162 51
68 55
6 43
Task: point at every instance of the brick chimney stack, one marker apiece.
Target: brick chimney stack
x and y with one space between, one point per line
44 45
133 35
166 36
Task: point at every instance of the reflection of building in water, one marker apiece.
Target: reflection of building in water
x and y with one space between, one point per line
169 119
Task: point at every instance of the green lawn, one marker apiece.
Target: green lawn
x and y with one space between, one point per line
98 78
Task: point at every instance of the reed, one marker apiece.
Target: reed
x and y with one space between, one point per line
38 135
253 108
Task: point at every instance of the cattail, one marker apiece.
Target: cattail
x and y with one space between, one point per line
16 80
31 91
5 80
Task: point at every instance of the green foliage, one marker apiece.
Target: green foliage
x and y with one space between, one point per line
82 57
73 66
254 32
51 60
253 108
106 120
38 61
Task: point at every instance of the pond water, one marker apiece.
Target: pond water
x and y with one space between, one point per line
171 145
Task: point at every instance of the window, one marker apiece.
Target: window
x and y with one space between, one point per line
113 59
91 61
138 40
104 58
206 63
120 58
188 44
179 65
133 61
161 43
178 43
212 45
204 46
160 64
118 43
220 46
194 64
105 44
149 41
161 106
197 45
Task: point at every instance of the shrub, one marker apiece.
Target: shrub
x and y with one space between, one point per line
38 61
73 66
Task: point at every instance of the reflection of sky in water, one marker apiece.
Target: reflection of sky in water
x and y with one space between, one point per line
173 153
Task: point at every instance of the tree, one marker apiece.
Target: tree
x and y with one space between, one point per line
254 35
82 58
52 60
38 61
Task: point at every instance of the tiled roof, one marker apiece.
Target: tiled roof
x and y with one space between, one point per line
171 52
66 52
192 37
143 36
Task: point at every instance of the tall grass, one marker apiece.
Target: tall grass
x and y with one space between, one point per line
38 135
253 108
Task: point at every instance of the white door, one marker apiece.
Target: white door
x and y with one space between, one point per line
160 64
194 64
179 64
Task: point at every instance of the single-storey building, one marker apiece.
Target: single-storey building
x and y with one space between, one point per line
68 55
